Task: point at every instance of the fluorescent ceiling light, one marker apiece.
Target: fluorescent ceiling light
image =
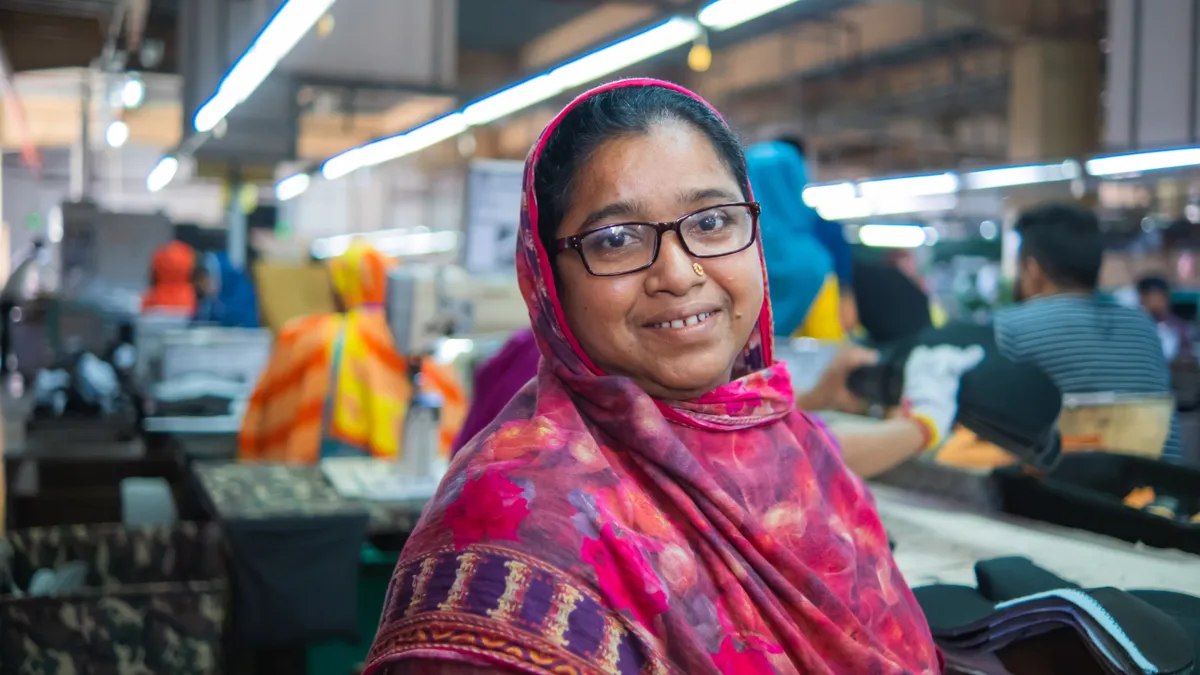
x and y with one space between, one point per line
396 243
116 134
394 147
292 186
1138 162
508 101
600 63
724 14
852 209
913 186
162 173
829 195
133 92
892 236
292 22
989 179
608 60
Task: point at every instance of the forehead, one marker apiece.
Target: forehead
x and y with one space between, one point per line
672 157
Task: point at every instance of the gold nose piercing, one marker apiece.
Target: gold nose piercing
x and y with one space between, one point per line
698 269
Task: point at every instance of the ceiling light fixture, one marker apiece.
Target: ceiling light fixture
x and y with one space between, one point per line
1137 162
162 173
116 134
293 21
892 236
292 186
989 179
600 63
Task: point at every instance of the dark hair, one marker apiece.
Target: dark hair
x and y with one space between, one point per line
1153 284
796 142
623 111
1066 242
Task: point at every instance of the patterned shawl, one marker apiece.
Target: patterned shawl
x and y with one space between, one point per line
592 529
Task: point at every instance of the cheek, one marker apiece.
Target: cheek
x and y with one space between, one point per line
741 277
594 307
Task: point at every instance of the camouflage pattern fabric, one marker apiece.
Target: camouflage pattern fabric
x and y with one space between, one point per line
154 603
248 490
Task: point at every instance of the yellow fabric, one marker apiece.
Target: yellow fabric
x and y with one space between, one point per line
824 320
371 388
937 315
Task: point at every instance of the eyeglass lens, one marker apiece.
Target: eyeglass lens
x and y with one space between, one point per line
710 233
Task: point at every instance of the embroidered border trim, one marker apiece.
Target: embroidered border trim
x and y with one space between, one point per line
511 609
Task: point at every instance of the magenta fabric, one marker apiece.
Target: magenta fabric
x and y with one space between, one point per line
497 380
593 529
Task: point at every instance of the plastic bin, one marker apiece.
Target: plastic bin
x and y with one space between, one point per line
154 602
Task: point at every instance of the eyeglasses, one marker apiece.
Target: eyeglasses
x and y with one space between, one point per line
626 248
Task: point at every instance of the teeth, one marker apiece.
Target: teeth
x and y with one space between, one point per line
689 321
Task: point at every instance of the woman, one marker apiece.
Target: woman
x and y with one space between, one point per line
171 290
799 266
655 503
225 294
335 384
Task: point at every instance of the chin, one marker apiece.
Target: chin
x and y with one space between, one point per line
686 383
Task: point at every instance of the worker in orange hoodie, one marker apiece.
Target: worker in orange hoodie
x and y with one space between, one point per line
171 290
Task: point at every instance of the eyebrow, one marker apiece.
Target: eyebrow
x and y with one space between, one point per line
629 208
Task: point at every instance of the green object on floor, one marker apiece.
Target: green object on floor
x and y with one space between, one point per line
339 658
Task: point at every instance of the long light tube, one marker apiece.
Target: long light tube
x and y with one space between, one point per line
600 63
912 186
292 186
162 173
293 20
832 194
724 14
394 147
989 179
892 236
1114 165
608 60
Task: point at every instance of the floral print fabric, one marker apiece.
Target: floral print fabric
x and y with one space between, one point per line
593 529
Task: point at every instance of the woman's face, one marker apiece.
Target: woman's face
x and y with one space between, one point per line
656 177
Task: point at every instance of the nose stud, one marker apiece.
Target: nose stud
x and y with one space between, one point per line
698 269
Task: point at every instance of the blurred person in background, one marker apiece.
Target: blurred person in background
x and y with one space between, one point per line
800 267
832 236
1086 344
171 275
905 260
1154 295
335 384
225 294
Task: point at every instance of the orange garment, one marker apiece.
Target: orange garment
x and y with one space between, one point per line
300 404
171 286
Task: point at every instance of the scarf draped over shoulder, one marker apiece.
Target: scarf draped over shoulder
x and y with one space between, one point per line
592 529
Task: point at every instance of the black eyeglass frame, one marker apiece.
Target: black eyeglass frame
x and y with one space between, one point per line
574 242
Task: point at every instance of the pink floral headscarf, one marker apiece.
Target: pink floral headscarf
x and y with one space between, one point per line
592 529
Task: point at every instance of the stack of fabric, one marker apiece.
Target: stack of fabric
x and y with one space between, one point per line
1018 603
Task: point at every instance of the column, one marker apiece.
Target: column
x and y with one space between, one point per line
1054 100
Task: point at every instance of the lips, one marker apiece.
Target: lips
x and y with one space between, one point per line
691 320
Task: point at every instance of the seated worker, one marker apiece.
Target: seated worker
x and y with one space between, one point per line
171 290
225 294
1154 295
833 238
335 384
1086 344
800 269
